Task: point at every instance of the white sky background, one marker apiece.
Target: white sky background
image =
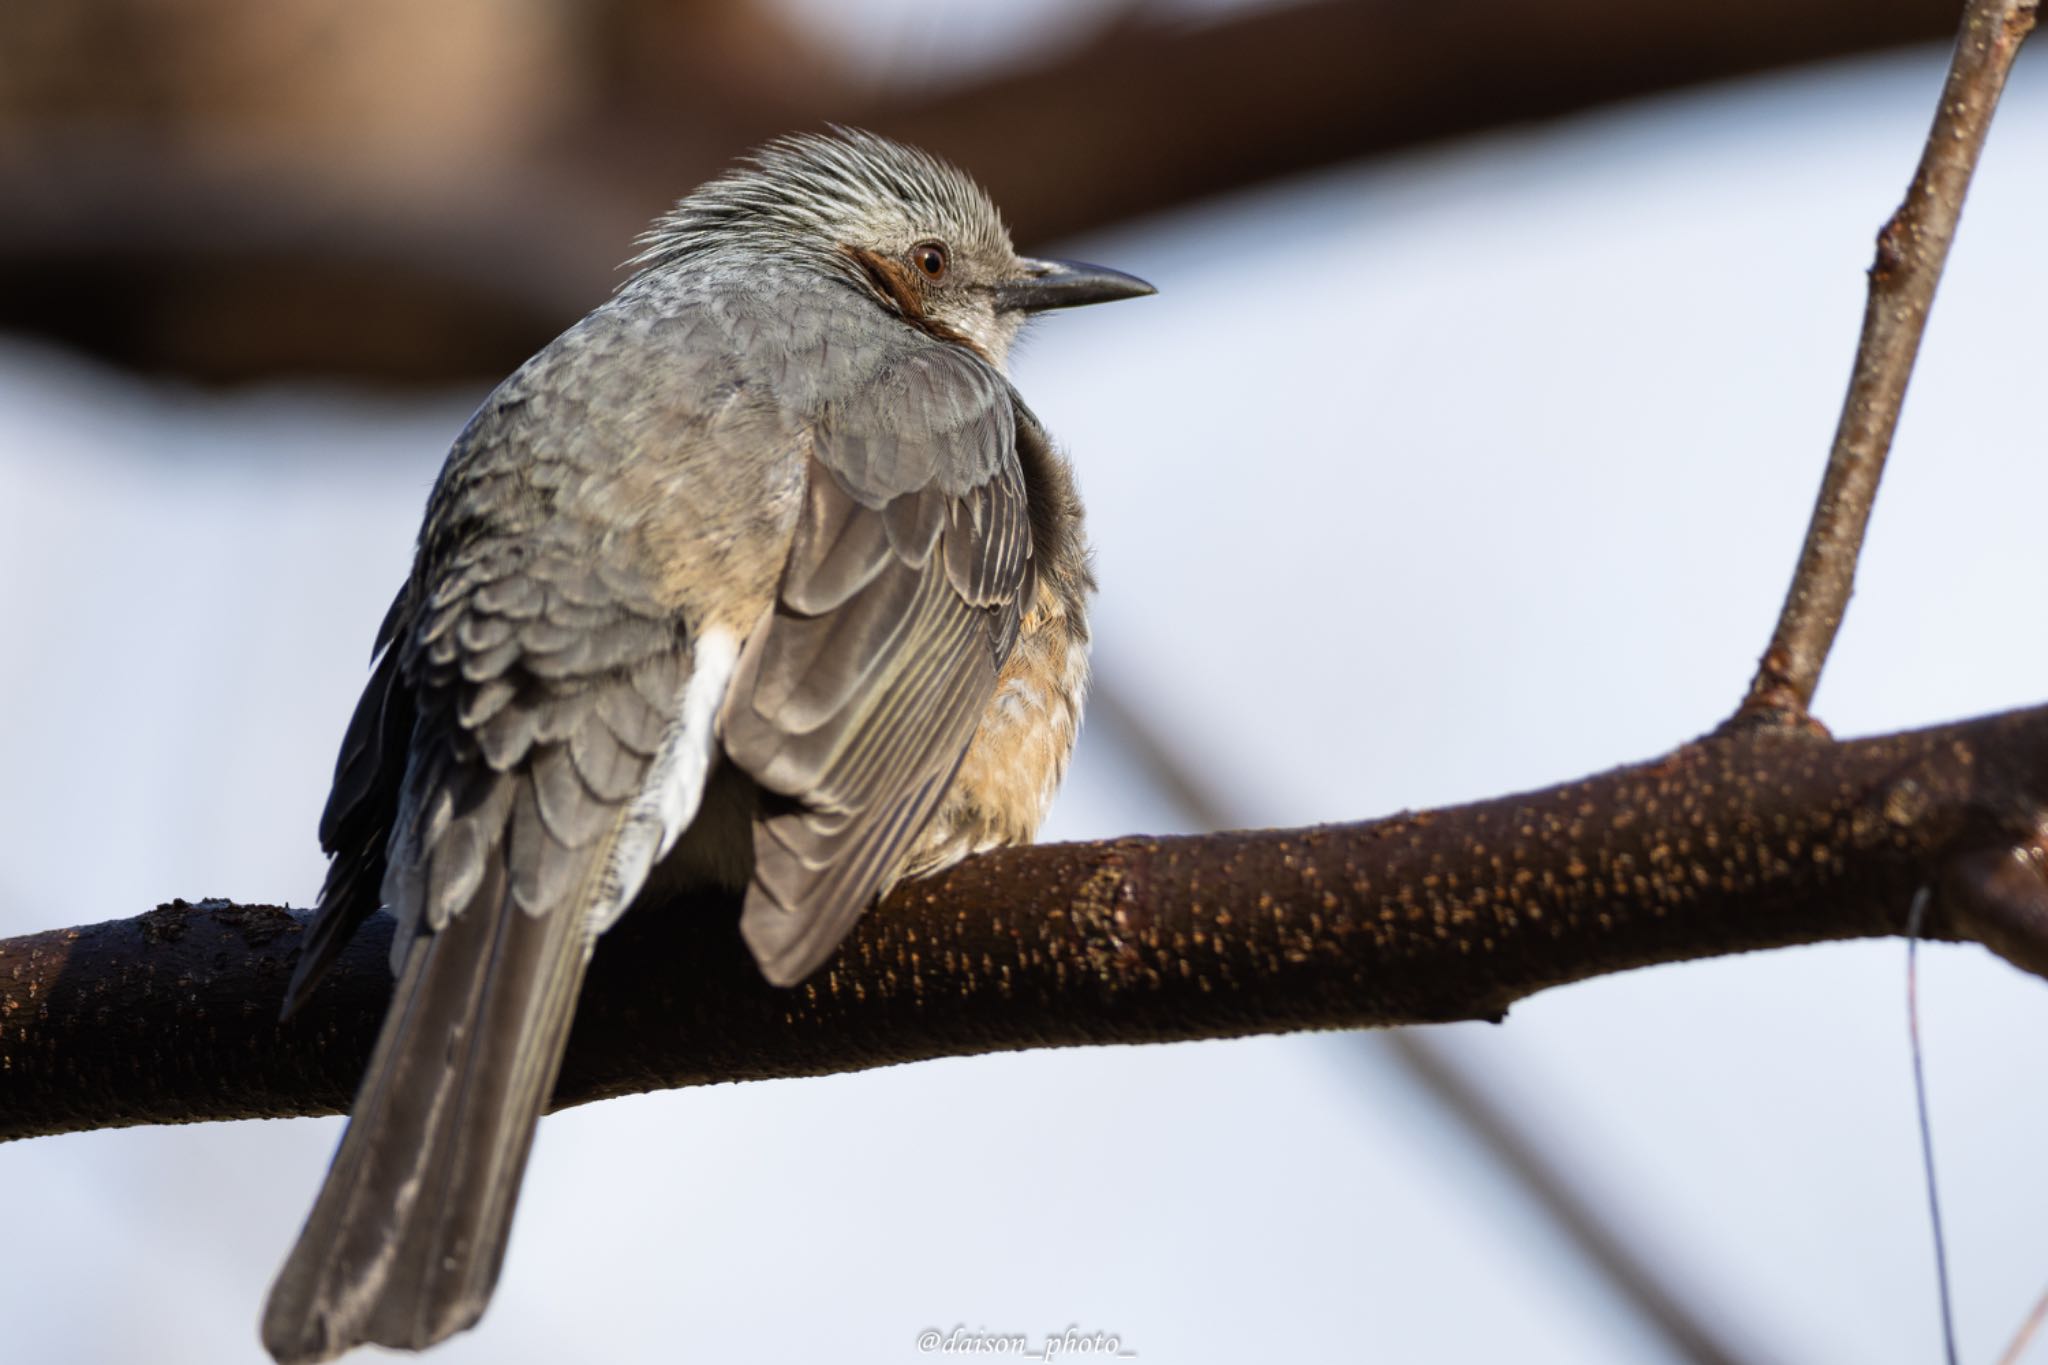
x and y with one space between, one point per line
1419 482
909 43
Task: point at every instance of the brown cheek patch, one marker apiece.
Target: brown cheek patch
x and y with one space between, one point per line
892 279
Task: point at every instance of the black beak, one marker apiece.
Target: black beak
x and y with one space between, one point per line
1066 284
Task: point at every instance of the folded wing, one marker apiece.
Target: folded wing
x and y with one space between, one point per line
857 698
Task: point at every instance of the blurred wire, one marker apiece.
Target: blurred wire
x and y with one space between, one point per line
1948 1317
1607 1246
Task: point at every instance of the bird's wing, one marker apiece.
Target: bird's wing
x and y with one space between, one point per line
856 699
566 726
563 721
356 824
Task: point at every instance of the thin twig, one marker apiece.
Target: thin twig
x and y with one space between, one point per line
1911 251
2020 1339
1948 1315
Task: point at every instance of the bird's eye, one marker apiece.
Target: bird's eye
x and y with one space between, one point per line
930 259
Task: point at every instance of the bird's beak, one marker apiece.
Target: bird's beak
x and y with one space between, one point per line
1066 284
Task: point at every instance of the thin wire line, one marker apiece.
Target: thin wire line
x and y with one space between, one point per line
1913 918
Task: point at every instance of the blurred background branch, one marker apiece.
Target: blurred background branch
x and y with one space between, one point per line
418 193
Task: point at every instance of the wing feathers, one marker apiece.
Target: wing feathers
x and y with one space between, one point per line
356 823
819 664
858 697
517 841
835 555
608 766
668 799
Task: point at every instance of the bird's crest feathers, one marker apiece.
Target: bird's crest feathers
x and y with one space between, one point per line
823 190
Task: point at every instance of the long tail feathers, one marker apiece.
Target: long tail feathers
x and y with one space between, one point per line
405 1242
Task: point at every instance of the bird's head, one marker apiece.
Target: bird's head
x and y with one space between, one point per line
910 230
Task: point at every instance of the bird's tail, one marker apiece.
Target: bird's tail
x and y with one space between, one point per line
404 1244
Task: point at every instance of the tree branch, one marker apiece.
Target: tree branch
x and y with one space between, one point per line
1912 248
1750 838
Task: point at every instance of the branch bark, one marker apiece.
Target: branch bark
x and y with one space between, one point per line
1750 838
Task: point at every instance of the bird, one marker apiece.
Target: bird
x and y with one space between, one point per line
762 576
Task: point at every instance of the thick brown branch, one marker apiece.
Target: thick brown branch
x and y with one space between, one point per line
1752 838
1911 251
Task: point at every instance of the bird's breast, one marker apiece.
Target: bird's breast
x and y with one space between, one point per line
1005 785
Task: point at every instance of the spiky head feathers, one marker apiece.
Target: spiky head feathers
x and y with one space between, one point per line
915 231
